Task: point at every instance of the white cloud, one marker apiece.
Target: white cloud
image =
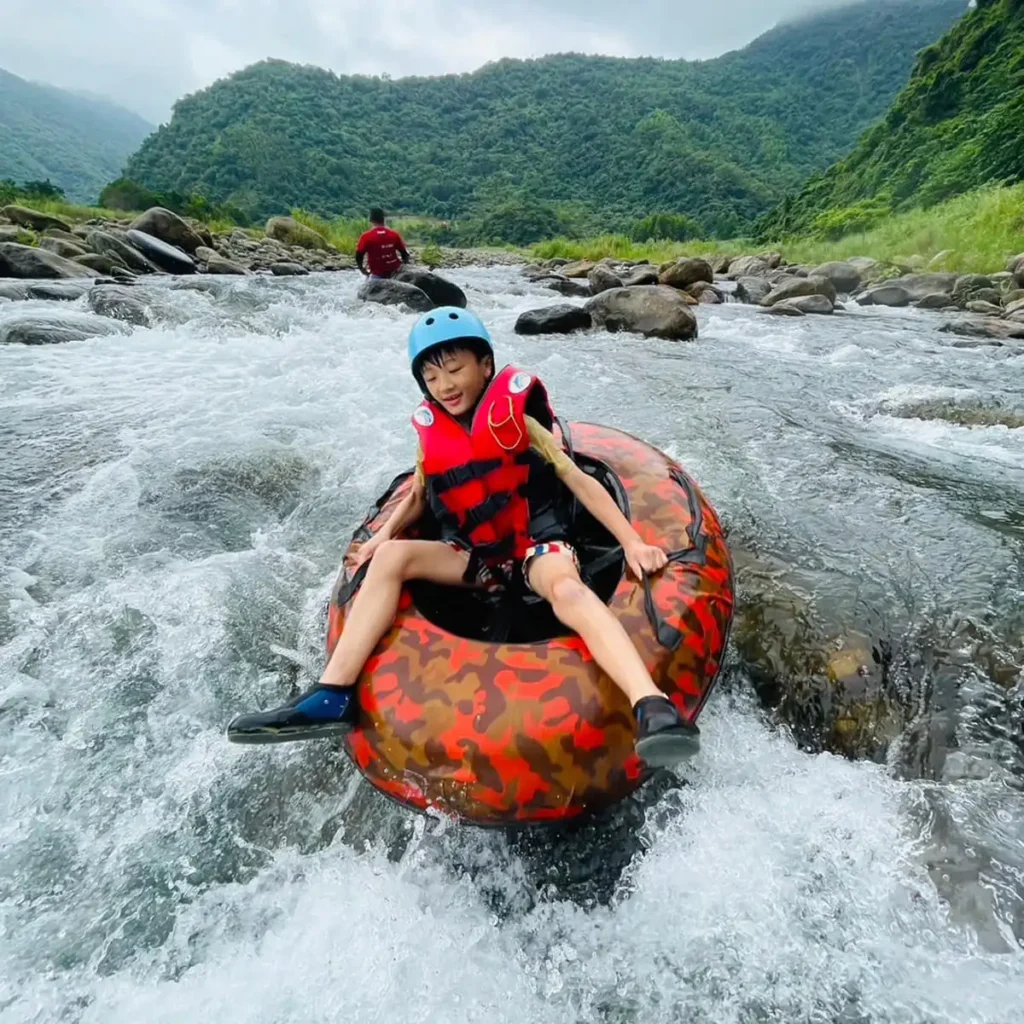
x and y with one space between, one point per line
147 55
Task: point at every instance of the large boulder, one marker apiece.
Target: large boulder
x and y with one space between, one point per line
25 261
106 243
889 294
655 311
163 254
217 264
601 279
573 289
291 232
983 307
985 327
288 269
645 274
62 247
439 290
104 263
966 285
168 227
396 293
794 287
845 276
803 304
581 268
752 289
33 219
1015 307
918 286
748 266
561 319
53 328
937 300
705 293
13 291
687 271
118 303
56 291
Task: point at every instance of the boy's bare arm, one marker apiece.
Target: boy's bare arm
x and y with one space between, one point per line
598 502
406 512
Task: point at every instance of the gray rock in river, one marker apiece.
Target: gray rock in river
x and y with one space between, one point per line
845 276
164 255
105 242
936 300
55 328
602 278
640 276
168 227
748 266
752 289
706 294
685 272
884 295
25 261
917 286
794 287
560 319
655 311
119 303
62 247
569 288
288 269
396 293
439 290
103 262
57 291
14 291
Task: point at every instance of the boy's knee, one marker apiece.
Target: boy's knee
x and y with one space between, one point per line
390 559
567 593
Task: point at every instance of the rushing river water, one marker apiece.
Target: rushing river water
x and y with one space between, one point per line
173 505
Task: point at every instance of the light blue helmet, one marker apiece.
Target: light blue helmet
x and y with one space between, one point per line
441 326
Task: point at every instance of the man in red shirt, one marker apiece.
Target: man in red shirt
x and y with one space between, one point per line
382 249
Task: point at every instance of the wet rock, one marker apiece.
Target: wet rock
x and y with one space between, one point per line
106 243
1016 306
844 276
705 293
720 262
573 289
53 329
121 274
818 304
536 271
561 319
884 295
167 227
795 287
639 276
685 272
439 290
119 303
601 279
396 293
291 232
864 265
989 327
752 289
104 263
62 247
25 261
992 295
33 219
937 300
773 260
14 291
164 255
9 233
981 306
285 269
787 307
58 291
918 286
966 285
581 268
655 311
217 264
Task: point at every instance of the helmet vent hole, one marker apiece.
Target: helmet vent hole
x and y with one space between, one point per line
430 321
453 316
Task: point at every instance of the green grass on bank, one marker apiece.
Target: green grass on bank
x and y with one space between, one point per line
73 211
973 233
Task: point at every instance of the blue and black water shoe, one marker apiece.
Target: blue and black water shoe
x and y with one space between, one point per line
319 712
662 737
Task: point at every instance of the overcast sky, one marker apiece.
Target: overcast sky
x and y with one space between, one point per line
147 53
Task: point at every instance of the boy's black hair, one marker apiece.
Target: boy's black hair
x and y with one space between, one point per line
376 215
437 355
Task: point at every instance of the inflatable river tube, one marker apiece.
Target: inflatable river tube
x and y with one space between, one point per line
483 708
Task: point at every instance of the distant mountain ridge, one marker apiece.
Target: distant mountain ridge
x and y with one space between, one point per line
80 142
721 140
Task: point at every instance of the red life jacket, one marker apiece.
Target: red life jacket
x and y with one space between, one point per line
484 485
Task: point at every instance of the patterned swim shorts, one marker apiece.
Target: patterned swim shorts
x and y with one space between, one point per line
495 579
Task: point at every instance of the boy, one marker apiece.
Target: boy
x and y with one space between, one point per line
489 472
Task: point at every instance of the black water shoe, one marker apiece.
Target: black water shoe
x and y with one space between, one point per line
662 738
319 712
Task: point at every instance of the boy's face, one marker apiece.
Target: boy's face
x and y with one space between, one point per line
459 381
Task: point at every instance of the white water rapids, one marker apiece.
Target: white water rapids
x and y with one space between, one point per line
173 506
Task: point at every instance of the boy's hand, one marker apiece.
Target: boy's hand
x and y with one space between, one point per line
365 552
643 558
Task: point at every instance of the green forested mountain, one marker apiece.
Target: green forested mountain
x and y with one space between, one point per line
958 124
79 143
719 140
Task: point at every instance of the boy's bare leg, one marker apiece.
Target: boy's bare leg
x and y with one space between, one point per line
555 578
662 737
376 604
